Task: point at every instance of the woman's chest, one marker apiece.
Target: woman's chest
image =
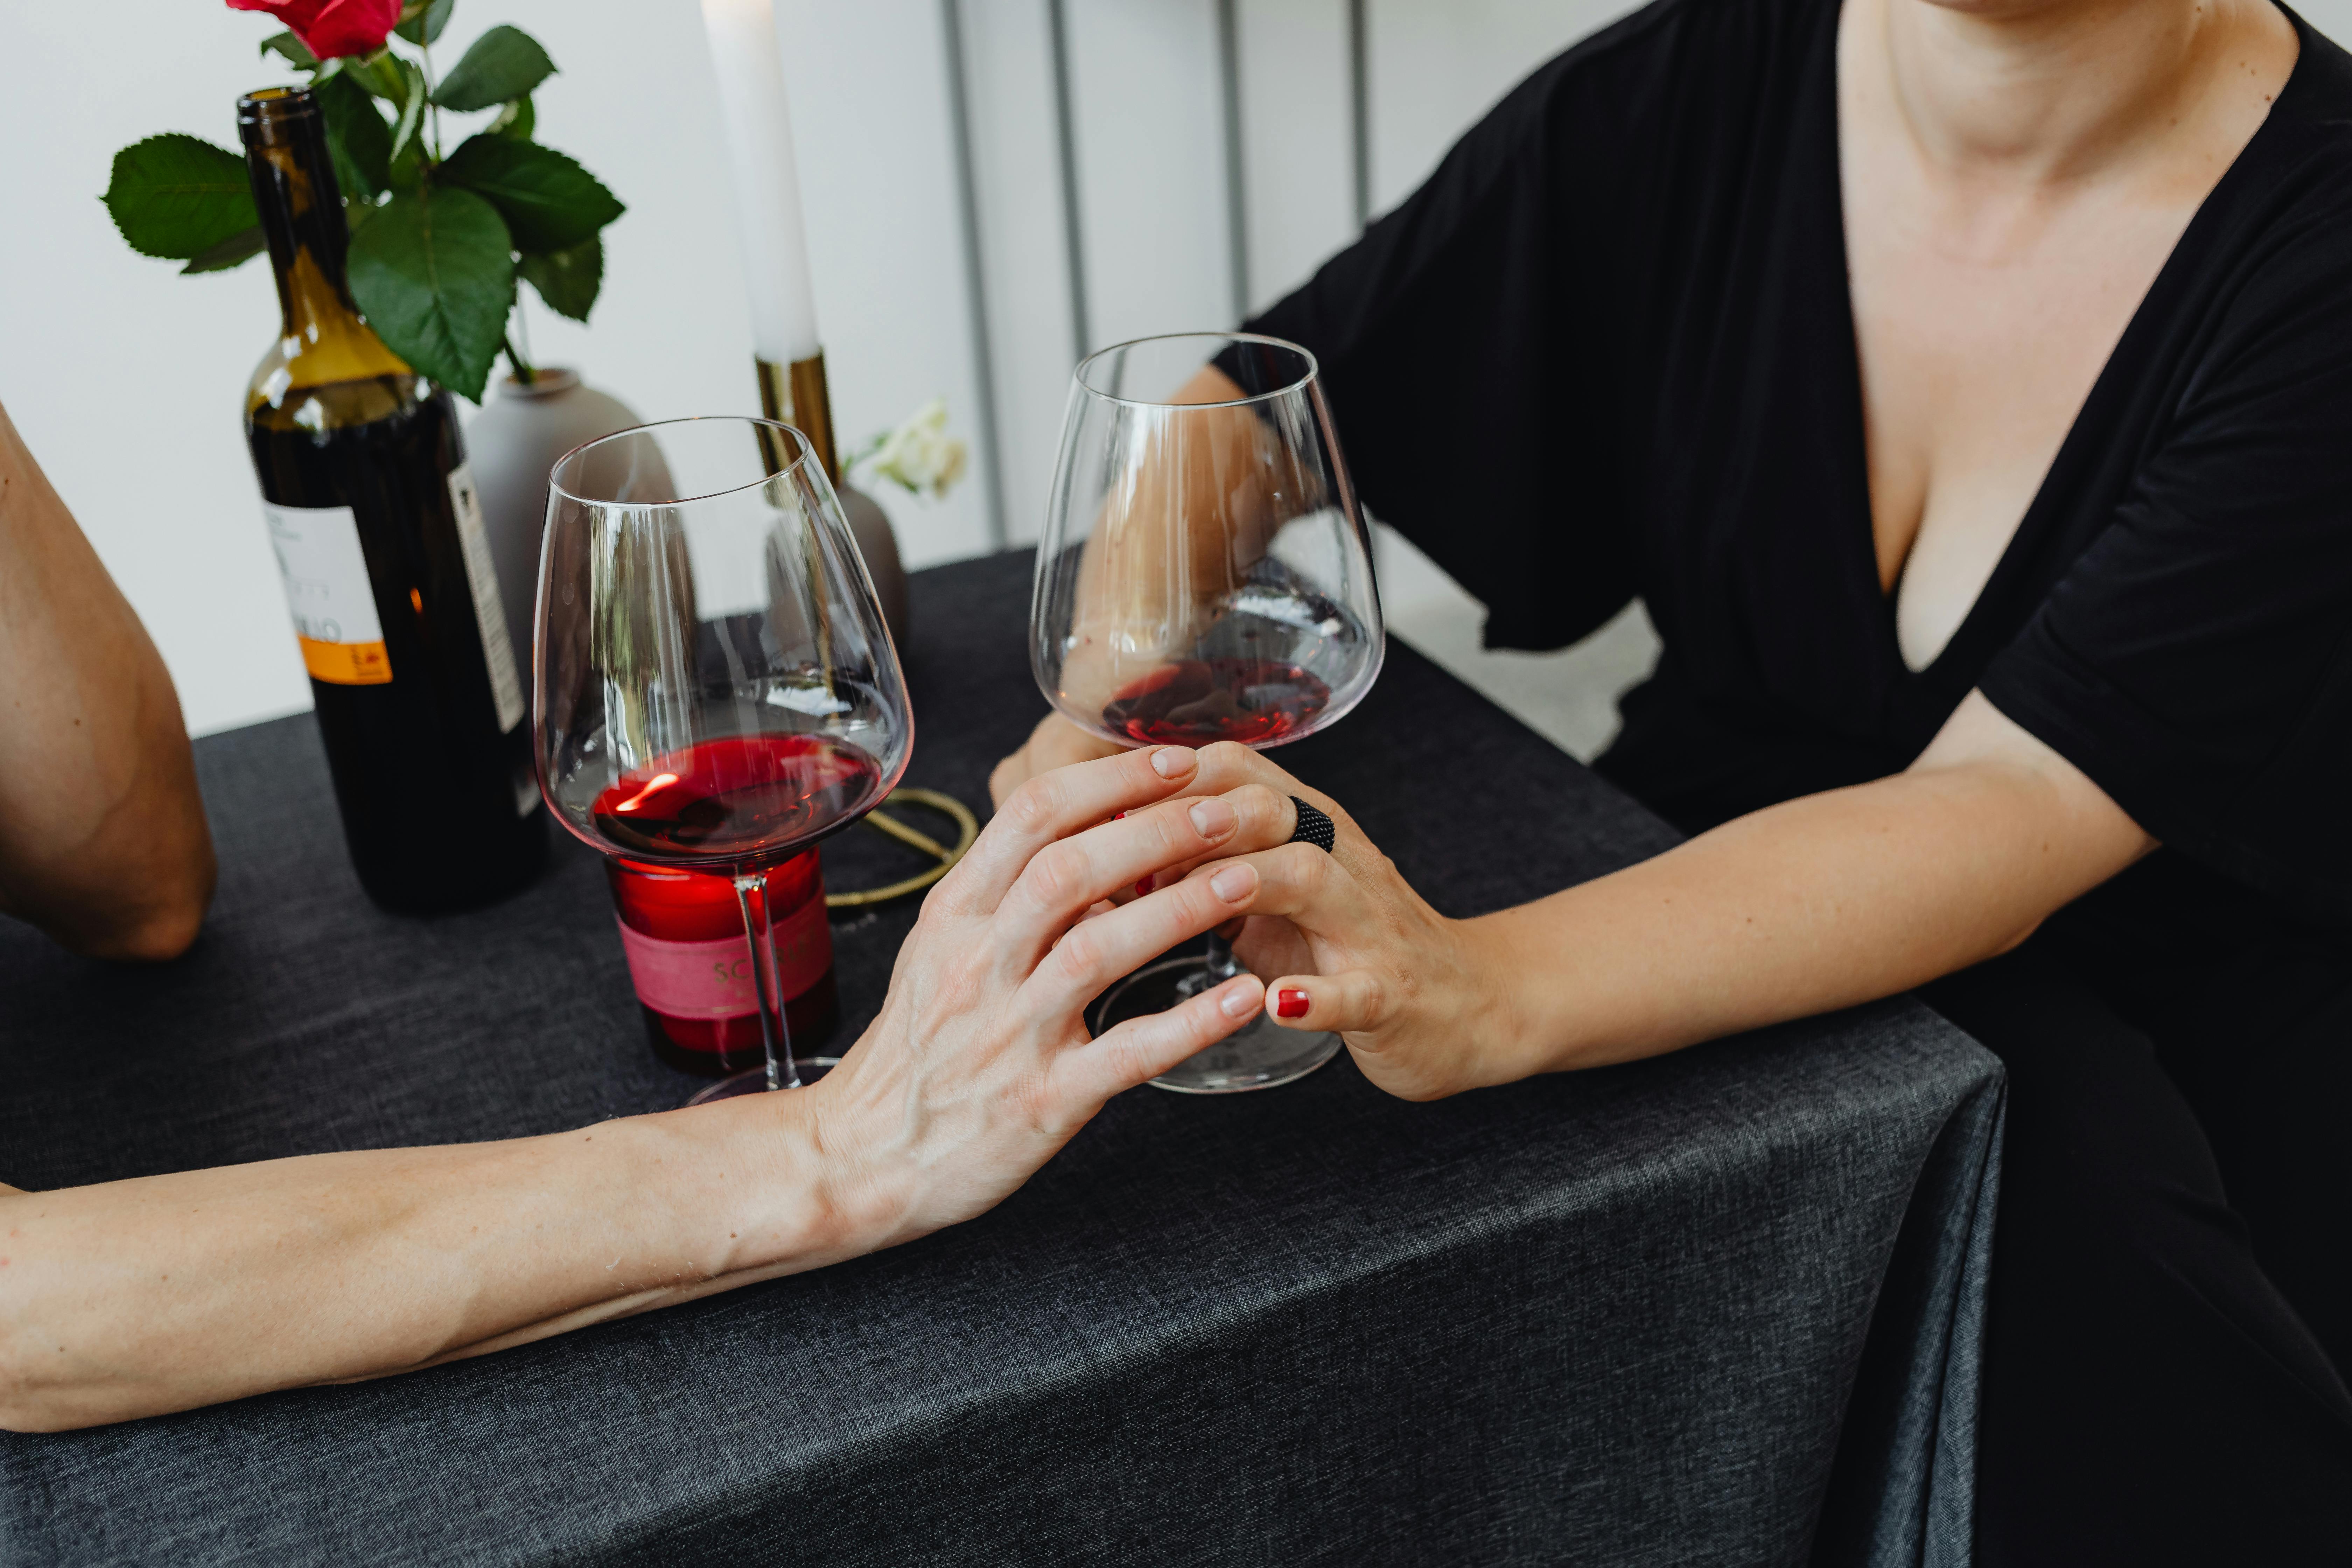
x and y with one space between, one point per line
1977 338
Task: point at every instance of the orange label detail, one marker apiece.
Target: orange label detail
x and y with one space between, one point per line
346 663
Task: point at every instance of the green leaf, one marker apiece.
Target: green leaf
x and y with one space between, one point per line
407 165
516 120
550 203
568 280
178 196
357 137
505 63
434 271
292 49
234 251
381 75
422 21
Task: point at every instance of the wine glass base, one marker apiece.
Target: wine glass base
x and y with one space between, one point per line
1260 1055
754 1080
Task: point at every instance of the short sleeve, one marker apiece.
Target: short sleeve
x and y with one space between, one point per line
1458 347
2196 661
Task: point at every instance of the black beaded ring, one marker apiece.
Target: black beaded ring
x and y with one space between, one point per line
1314 827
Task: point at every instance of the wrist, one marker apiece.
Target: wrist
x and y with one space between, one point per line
1525 1023
777 1189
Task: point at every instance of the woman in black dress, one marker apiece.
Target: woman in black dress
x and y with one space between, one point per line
1966 390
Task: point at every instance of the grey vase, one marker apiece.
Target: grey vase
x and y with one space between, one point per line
517 435
512 444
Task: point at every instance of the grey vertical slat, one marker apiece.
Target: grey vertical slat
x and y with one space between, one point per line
1359 107
1228 72
1065 133
984 356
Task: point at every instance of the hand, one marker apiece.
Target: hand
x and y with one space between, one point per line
980 1066
1056 742
1417 997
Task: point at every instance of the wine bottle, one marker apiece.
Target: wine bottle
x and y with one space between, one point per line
682 932
387 568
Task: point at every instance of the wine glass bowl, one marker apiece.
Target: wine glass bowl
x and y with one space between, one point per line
1204 574
714 687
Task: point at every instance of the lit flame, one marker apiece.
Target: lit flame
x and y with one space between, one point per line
660 781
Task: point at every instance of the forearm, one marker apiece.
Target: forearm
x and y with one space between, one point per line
1819 904
102 834
134 1298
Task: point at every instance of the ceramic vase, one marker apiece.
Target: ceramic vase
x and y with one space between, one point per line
512 444
517 435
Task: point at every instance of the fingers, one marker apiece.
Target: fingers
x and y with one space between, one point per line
1301 881
1095 952
1064 879
1265 818
1355 1002
1056 742
1142 1049
1053 806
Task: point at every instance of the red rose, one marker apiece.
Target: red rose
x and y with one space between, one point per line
332 27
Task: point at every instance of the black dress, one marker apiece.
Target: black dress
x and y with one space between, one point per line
1609 350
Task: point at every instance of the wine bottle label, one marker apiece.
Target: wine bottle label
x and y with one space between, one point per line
482 575
713 979
326 578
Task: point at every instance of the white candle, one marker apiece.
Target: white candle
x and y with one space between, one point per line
767 181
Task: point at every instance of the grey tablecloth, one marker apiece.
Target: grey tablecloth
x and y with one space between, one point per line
1721 1307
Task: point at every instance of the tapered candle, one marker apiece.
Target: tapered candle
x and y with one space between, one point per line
767 181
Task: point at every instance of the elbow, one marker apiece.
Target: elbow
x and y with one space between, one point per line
156 930
160 935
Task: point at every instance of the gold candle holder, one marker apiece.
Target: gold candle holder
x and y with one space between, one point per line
796 394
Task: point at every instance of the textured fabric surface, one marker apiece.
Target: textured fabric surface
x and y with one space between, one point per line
1612 1318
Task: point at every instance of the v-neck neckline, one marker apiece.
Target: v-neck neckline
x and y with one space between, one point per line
2036 520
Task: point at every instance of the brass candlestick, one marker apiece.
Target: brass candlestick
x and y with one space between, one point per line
796 396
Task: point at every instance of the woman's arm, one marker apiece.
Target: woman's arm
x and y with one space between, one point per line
103 837
1811 905
138 1297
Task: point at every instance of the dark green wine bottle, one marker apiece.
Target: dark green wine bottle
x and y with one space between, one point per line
387 569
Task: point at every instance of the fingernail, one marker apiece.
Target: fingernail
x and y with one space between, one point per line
1290 1003
1144 887
1234 884
1173 761
1237 1002
1212 818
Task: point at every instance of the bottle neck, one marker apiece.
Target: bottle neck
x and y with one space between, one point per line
322 335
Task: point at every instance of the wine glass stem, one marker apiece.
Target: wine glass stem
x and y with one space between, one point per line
776 1034
1219 962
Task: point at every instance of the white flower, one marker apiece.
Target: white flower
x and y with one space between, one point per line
921 454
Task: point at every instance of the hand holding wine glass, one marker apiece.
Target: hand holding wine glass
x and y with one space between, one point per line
1204 576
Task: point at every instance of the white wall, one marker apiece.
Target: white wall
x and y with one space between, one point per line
125 378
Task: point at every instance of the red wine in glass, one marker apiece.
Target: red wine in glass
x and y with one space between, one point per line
743 802
1197 701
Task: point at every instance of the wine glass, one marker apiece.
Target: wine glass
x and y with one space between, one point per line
714 687
1204 574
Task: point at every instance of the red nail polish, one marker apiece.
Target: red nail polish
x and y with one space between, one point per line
1290 1003
1143 887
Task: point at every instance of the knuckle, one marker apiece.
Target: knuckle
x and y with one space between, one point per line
1079 953
1058 874
1033 807
1261 803
1305 867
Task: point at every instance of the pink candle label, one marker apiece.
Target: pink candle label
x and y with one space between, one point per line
713 979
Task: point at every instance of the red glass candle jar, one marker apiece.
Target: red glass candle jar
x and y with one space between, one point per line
691 964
